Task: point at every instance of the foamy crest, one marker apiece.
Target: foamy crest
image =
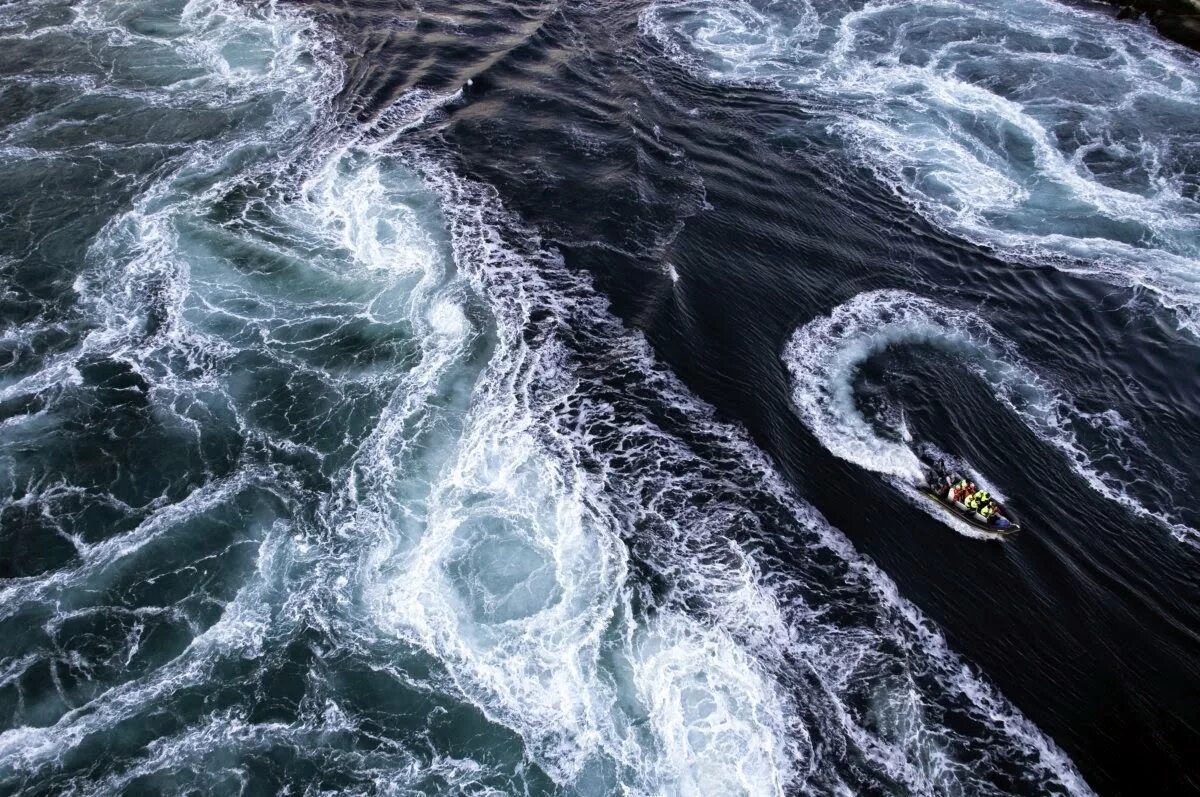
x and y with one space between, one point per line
261 295
521 570
512 570
716 724
824 357
512 584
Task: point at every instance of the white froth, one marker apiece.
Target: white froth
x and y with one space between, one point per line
361 242
475 520
722 732
511 583
680 704
1055 134
825 355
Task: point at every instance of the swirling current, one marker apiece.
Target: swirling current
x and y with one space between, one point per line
525 397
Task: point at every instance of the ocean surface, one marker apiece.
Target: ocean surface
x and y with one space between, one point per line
524 397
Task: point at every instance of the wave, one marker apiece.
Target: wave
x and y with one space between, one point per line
825 355
1051 134
416 509
250 294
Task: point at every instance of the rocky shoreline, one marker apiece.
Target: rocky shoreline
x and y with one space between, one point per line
1178 20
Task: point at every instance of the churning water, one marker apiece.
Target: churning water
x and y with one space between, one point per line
327 465
1049 133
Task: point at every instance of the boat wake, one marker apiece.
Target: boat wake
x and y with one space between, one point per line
826 354
403 506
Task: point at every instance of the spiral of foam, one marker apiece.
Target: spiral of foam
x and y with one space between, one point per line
825 355
969 113
423 515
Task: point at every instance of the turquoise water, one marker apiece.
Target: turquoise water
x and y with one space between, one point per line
321 471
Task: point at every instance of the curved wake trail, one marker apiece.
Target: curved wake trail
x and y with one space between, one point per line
825 355
411 509
1051 134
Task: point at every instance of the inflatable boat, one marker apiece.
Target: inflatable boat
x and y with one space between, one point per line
1002 522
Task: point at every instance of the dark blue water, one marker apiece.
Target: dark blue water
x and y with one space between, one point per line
524 398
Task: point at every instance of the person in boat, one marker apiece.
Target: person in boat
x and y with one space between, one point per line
991 513
939 484
978 500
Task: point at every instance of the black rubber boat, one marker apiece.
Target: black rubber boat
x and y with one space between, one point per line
937 486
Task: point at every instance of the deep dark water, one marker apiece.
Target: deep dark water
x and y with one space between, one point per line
629 165
1176 19
385 463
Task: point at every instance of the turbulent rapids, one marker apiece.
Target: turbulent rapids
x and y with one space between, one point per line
325 469
1055 135
351 484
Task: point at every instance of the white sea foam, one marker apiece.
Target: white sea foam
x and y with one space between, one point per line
162 297
537 637
99 562
513 573
241 632
495 510
1051 133
707 705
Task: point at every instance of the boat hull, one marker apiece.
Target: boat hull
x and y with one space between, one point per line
970 517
